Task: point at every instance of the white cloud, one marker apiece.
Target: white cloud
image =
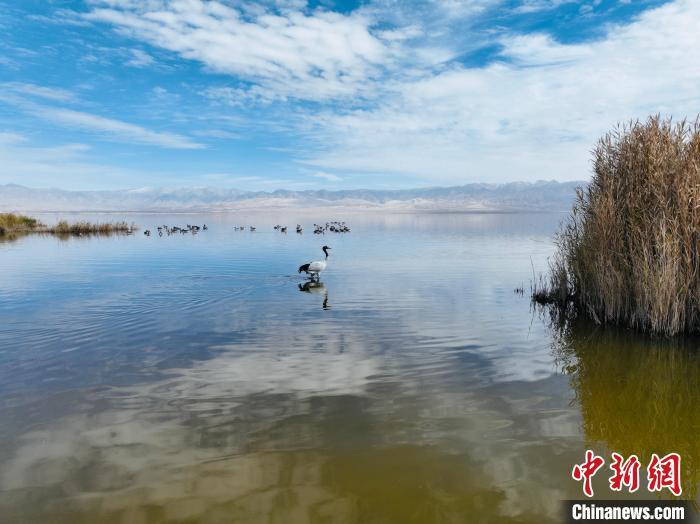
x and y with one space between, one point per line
290 53
390 94
16 94
539 49
49 93
530 6
115 129
11 138
218 133
240 97
463 8
534 115
67 165
140 58
403 33
326 176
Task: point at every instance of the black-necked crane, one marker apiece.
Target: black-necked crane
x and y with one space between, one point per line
314 268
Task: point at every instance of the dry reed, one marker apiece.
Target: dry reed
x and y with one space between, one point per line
11 223
630 252
88 228
14 222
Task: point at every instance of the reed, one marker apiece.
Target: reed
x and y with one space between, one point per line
629 254
12 224
88 228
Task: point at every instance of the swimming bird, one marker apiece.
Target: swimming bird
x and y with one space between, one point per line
314 268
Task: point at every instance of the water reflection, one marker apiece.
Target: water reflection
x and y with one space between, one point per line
637 395
316 287
6 238
403 485
149 379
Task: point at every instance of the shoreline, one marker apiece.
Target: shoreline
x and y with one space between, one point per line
307 210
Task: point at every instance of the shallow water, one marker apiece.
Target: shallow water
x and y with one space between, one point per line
190 379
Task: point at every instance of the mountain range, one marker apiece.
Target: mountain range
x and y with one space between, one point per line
515 196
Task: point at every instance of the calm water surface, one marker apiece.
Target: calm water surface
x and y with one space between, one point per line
191 379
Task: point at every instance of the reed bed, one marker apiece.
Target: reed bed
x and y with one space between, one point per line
11 223
629 254
88 228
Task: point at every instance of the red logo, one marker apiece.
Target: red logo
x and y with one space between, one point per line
662 473
626 473
586 471
665 473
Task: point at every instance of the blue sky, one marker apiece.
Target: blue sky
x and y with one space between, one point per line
102 94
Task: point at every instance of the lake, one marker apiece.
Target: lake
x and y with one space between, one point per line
194 378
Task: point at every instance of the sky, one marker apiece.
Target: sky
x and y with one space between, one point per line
117 94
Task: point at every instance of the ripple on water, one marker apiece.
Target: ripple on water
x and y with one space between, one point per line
147 379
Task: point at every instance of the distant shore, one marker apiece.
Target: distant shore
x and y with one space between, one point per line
298 209
515 197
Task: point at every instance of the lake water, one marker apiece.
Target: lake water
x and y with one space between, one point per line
191 379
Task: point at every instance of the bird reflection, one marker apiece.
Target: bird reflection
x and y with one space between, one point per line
313 286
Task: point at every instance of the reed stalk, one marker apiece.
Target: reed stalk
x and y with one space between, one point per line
629 253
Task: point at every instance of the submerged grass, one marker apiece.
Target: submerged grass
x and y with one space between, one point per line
630 252
14 224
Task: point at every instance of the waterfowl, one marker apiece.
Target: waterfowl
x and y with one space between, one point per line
314 268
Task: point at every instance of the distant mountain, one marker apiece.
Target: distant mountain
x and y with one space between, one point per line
516 196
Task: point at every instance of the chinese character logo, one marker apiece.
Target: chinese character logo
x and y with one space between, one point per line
662 473
586 471
625 473
665 473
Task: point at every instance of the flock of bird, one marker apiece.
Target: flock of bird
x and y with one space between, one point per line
312 269
168 230
333 227
319 229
